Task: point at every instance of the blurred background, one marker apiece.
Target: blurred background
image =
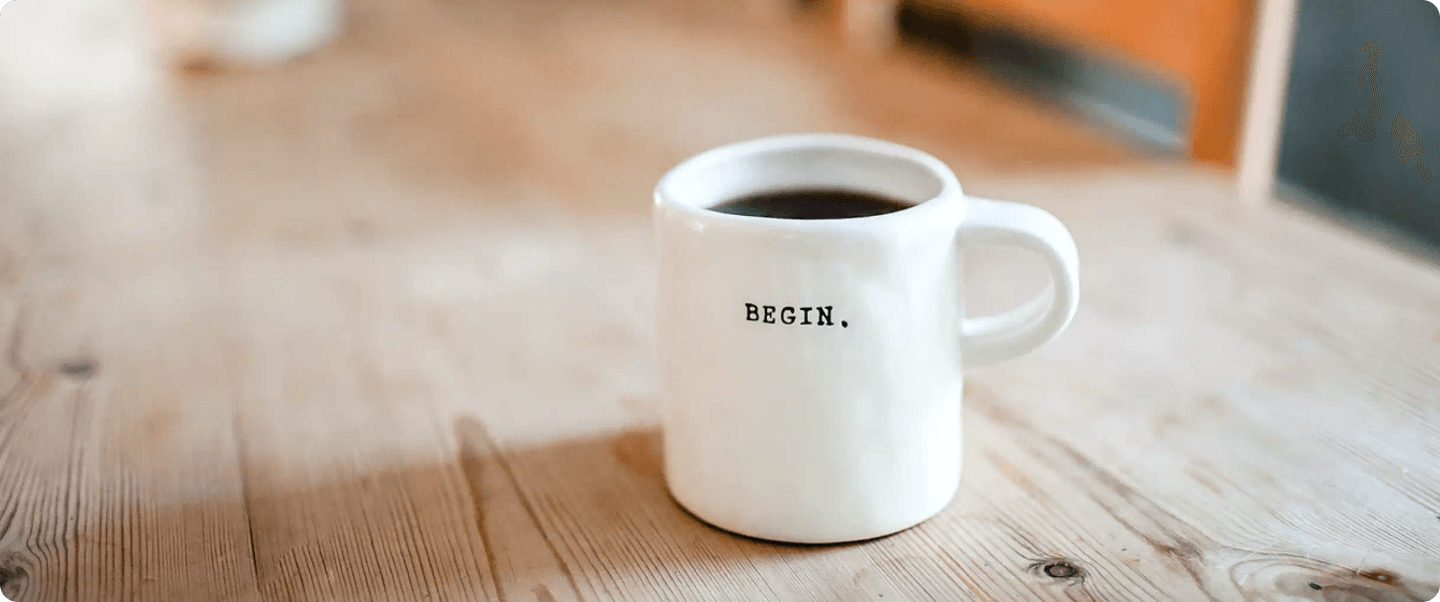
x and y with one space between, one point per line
589 99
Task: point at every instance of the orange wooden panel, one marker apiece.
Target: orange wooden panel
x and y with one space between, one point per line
1201 44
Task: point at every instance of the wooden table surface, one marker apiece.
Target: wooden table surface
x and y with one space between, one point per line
377 326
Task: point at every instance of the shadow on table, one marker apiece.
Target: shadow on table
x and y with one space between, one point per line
598 508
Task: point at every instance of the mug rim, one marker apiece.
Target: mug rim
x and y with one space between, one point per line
949 184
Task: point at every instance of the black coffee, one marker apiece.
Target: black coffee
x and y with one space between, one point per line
812 204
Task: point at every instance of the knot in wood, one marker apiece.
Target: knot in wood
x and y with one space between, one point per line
1061 570
1058 568
11 574
78 369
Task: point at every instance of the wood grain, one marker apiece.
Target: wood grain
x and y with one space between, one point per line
377 325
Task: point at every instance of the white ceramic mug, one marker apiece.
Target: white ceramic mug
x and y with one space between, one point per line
847 426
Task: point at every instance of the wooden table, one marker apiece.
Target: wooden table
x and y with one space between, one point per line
377 326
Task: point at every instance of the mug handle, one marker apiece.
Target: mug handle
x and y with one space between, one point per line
997 338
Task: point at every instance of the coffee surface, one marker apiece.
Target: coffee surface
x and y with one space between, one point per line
812 204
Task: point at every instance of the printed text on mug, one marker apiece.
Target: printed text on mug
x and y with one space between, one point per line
803 316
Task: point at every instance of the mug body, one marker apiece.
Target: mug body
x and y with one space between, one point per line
810 370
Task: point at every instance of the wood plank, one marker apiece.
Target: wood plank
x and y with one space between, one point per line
350 497
37 504
523 559
120 468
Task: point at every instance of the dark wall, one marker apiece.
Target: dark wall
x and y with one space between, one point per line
1362 121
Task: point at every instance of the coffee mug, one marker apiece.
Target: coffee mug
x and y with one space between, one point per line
811 369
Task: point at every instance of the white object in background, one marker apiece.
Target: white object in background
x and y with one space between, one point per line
833 415
273 31
2 11
244 32
1265 100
